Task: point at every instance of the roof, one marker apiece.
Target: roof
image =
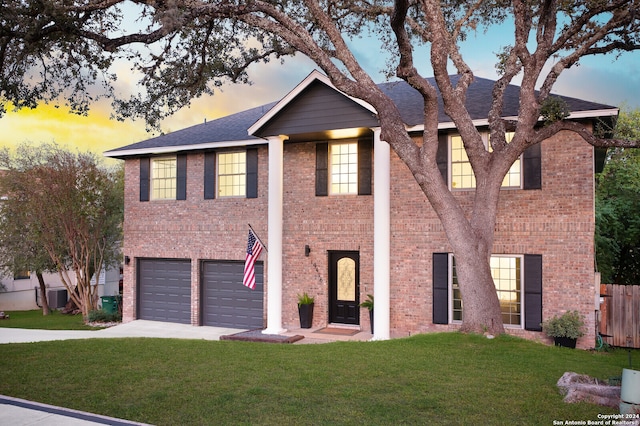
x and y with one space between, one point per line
238 129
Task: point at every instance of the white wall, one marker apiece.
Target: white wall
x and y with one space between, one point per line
20 295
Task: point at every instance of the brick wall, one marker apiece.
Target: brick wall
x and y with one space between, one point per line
195 228
557 222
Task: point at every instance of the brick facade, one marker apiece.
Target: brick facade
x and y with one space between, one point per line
556 222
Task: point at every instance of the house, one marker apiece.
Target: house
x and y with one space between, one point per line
342 217
21 291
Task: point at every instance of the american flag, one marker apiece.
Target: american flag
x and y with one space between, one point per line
254 248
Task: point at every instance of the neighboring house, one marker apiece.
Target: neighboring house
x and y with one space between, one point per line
309 173
22 291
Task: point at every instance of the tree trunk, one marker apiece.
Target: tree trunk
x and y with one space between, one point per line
481 307
43 294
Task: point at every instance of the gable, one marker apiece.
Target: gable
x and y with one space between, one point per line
317 109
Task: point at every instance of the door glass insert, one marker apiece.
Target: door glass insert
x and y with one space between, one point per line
347 279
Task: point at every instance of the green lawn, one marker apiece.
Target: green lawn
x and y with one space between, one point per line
449 379
34 319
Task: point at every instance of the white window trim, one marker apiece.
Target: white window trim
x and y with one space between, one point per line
522 304
217 174
485 140
152 180
329 165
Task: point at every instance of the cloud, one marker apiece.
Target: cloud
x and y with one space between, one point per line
47 124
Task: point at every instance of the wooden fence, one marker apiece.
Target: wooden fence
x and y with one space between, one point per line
620 315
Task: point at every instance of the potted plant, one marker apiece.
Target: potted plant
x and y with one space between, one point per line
565 329
369 305
305 310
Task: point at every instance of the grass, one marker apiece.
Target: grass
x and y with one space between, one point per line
448 378
35 320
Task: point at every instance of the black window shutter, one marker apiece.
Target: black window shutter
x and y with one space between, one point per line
145 164
181 177
442 156
533 292
252 173
532 167
322 169
440 288
364 166
209 175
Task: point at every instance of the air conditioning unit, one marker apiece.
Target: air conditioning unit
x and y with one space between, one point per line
57 298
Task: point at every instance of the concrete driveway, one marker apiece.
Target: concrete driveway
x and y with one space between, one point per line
137 328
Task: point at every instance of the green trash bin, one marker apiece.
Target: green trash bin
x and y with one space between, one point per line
109 304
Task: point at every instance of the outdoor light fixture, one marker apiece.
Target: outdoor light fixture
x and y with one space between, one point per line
127 260
307 250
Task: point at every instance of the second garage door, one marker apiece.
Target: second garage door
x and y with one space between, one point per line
225 301
164 290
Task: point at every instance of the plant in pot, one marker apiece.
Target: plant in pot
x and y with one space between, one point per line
305 310
369 305
565 329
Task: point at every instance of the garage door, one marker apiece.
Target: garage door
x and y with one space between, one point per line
164 290
225 301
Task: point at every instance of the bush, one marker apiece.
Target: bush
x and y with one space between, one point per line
102 316
570 324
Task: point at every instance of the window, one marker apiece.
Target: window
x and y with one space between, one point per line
163 178
343 164
344 167
507 277
21 275
232 174
513 178
462 174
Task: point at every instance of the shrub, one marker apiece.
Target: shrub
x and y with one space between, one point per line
570 324
101 315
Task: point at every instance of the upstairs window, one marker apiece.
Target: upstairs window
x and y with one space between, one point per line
164 173
343 163
462 176
232 174
513 178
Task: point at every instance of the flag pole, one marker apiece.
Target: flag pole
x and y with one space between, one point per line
258 238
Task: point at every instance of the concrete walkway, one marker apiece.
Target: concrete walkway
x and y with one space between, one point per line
138 328
20 412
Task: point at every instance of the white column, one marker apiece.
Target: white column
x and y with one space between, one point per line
274 254
381 237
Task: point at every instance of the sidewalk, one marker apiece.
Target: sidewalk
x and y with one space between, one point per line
138 328
20 412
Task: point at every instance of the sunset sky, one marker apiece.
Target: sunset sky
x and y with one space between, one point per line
609 80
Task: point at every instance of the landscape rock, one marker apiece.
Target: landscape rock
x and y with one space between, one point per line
579 387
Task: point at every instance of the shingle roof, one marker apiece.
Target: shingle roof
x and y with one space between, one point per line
478 102
230 128
234 127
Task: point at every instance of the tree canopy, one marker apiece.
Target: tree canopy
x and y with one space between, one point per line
182 49
63 213
617 207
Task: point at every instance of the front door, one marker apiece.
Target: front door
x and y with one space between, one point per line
344 287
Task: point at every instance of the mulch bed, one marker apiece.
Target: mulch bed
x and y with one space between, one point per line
258 336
